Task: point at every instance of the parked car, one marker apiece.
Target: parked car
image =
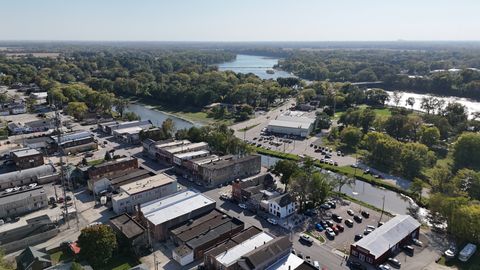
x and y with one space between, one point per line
330 223
242 205
310 213
338 219
316 264
349 222
380 223
224 197
332 204
335 230
394 262
367 231
358 237
272 221
365 214
89 154
323 223
325 206
319 227
308 259
356 265
409 250
340 227
417 242
358 218
350 212
306 239
330 233
371 227
383 267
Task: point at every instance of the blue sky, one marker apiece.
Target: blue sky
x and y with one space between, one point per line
242 20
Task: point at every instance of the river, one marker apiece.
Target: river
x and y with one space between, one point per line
157 117
373 195
471 105
257 65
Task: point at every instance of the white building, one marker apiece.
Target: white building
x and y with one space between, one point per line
300 126
143 191
281 206
178 159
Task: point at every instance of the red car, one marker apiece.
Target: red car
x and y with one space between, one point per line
335 230
340 227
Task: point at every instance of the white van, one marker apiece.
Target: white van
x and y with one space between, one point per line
467 252
316 264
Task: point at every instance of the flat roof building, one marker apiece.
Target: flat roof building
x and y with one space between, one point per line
179 159
229 169
41 174
142 191
20 202
385 240
27 158
109 168
172 210
299 126
128 229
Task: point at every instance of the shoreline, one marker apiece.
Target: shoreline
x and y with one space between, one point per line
152 107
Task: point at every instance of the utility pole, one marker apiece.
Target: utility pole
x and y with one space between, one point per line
383 208
58 124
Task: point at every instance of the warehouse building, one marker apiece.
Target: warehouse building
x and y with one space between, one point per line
165 213
142 191
74 142
26 158
386 240
229 169
299 126
113 126
15 203
40 175
202 233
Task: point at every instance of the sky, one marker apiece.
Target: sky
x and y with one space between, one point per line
241 20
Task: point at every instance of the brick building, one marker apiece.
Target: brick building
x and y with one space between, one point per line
227 170
27 158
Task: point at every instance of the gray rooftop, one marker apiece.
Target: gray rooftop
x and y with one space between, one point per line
25 152
32 173
389 234
6 198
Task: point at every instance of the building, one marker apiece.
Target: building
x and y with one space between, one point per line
227 255
164 213
40 125
182 158
39 95
130 232
18 109
26 158
110 127
291 262
265 255
242 188
15 203
142 191
386 240
16 128
227 170
299 126
110 168
198 235
281 206
33 259
130 134
75 142
39 143
24 233
115 181
41 175
167 153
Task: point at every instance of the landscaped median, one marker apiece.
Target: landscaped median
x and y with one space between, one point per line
344 170
316 234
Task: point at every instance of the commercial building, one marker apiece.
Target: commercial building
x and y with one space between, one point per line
384 241
75 142
39 125
142 191
227 170
26 158
299 126
243 189
40 143
281 206
41 175
115 181
130 134
182 158
164 213
265 255
109 168
152 148
15 203
167 153
110 127
291 262
202 233
131 232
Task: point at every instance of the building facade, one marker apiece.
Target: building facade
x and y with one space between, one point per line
227 170
27 158
109 168
17 203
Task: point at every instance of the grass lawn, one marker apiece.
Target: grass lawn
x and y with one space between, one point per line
60 256
317 235
472 264
95 162
384 112
121 263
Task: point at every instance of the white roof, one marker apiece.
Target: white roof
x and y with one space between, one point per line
192 154
147 183
129 130
289 262
206 159
288 124
232 255
296 119
25 152
388 235
72 136
170 144
173 206
187 147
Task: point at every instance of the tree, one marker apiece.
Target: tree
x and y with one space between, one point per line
416 187
4 264
97 244
300 186
427 104
413 158
456 113
320 188
77 109
285 169
351 137
410 102
168 127
395 126
466 151
130 116
342 180
430 136
120 105
397 97
76 266
467 183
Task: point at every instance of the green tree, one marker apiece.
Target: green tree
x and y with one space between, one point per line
168 127
466 152
4 263
76 109
320 188
97 244
351 137
413 158
467 183
130 116
410 102
285 169
416 187
76 266
429 136
120 105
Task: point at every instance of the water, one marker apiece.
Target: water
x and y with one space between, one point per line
157 117
472 106
363 191
257 65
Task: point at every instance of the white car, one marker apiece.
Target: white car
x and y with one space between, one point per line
272 221
384 267
417 242
306 238
242 205
330 232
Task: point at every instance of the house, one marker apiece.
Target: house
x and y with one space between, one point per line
165 213
33 259
281 206
376 247
229 169
27 158
130 232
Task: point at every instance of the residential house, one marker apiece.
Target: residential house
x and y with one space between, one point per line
130 232
33 259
